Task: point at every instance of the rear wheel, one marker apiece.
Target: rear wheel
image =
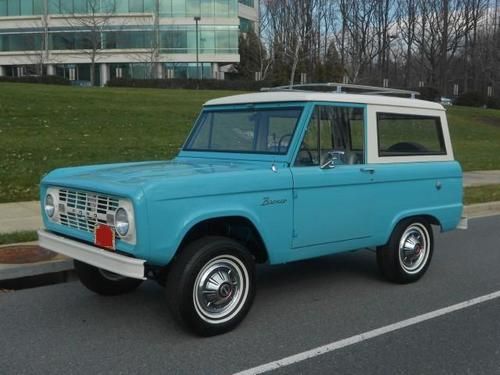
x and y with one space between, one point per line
211 285
104 282
407 255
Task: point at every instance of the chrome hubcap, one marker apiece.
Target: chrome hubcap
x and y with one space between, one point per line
220 289
414 248
110 275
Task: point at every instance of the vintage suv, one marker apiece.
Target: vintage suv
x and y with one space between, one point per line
270 177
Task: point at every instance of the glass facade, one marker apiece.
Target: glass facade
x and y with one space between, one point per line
173 40
20 42
167 8
179 36
189 70
203 8
20 7
212 39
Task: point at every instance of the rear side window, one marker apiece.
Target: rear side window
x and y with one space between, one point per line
408 135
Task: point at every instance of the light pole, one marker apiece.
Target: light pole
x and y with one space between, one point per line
197 19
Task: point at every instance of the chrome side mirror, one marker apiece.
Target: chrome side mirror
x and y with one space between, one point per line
333 156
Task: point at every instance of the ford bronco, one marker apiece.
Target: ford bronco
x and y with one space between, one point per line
270 177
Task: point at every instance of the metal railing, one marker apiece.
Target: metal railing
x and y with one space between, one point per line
343 88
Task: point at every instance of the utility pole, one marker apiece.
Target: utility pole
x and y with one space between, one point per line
197 19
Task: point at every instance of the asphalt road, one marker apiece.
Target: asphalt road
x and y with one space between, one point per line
67 329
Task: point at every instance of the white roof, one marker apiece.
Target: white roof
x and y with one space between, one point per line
306 96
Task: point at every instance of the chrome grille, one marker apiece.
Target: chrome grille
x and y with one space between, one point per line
84 210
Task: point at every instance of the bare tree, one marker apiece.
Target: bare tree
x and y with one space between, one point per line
93 21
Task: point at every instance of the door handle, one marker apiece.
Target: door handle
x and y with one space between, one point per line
368 170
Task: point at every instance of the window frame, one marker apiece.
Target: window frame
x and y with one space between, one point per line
308 118
242 108
372 139
439 128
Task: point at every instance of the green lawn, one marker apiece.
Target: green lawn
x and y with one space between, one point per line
475 134
481 194
18 237
45 127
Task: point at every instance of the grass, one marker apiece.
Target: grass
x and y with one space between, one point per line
481 194
18 237
475 134
45 127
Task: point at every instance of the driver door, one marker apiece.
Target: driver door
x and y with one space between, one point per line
332 183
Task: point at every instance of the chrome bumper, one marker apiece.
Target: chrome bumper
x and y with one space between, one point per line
464 223
92 255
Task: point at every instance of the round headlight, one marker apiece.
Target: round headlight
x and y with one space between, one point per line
49 205
121 221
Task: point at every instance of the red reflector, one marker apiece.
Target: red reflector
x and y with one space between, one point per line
104 237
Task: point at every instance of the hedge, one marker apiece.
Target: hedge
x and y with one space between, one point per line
48 80
205 84
476 99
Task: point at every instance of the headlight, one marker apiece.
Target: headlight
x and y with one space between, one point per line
49 205
121 221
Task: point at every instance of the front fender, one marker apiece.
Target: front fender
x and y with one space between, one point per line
171 220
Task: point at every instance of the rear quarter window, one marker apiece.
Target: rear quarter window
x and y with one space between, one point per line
409 135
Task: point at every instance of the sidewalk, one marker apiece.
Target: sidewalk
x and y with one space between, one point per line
20 216
480 178
25 216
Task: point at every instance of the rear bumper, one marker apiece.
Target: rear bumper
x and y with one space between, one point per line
92 255
464 223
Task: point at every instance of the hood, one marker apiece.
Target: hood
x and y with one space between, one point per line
131 178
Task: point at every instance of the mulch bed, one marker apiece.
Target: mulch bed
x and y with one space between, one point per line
22 254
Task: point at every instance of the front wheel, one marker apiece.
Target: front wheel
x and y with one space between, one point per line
407 255
104 282
211 285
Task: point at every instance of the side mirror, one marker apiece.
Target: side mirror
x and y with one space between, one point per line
333 156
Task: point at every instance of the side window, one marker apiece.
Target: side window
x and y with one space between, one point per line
409 135
333 129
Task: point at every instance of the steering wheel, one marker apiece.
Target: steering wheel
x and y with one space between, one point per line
283 137
407 147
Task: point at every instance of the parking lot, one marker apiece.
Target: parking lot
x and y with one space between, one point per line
299 307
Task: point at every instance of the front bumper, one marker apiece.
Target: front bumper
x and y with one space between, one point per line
120 264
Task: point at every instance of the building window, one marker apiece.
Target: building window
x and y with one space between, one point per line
246 26
213 39
20 42
80 6
248 3
26 7
3 8
136 6
14 8
188 70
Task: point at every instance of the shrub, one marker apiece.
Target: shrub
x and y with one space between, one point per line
49 80
493 102
471 99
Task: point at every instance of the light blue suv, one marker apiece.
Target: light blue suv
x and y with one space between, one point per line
271 177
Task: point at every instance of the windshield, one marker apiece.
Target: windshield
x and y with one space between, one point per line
265 131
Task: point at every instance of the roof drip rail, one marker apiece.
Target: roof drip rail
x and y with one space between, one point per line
343 88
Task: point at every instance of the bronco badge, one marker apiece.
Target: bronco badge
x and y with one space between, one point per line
268 201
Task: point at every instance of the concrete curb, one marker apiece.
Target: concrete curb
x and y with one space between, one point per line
16 271
482 209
